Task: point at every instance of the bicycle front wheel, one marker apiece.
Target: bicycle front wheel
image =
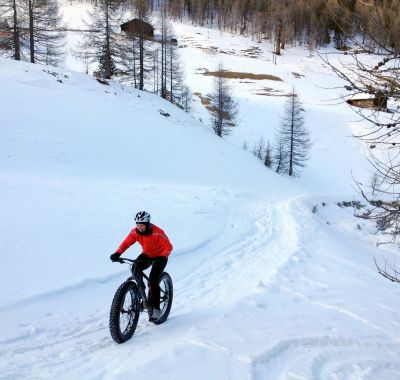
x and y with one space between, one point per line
124 313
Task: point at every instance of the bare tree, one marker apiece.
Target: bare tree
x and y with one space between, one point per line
381 82
282 21
141 7
175 73
186 98
36 30
258 149
294 139
388 271
45 36
165 29
136 60
102 44
268 156
280 156
10 23
223 109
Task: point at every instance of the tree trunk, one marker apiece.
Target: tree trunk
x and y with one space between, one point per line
107 52
141 63
279 38
17 48
31 39
291 138
163 57
171 75
134 62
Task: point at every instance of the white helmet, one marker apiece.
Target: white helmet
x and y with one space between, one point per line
142 217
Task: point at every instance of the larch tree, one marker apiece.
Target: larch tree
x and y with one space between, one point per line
293 137
36 30
101 45
45 31
10 24
175 74
223 107
268 161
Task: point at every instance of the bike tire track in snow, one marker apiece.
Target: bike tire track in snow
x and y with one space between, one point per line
260 271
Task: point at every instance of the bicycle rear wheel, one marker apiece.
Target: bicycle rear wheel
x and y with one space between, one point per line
124 313
166 296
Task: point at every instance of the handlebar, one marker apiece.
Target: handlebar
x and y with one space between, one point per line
123 260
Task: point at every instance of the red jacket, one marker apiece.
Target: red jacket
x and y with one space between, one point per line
154 244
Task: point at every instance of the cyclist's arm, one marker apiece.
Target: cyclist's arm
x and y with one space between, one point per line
129 240
166 246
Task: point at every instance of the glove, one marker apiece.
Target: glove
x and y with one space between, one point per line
115 257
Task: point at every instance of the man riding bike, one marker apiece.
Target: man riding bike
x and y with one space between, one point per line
156 249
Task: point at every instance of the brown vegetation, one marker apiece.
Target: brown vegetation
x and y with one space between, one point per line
268 91
240 75
205 101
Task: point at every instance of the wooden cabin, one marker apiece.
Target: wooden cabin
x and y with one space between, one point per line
137 27
369 101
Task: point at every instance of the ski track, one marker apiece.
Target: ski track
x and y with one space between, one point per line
236 266
80 336
324 358
268 251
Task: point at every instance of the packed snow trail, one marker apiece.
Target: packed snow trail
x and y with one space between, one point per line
259 300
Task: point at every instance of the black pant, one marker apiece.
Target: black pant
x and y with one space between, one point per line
159 263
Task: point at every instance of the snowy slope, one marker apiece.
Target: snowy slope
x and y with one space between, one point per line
114 143
264 288
261 102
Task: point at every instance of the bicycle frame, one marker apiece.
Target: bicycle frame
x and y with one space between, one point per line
139 280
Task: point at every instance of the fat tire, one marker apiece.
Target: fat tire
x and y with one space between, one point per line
115 312
165 277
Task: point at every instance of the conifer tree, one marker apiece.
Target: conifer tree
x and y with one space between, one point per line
175 82
268 156
46 36
294 139
224 109
101 46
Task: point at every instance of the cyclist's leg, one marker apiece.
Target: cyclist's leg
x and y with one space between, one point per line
159 264
141 265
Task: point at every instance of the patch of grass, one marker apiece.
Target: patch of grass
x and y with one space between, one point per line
271 94
240 75
205 101
253 52
268 91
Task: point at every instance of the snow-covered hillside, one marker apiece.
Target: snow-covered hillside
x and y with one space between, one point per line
272 279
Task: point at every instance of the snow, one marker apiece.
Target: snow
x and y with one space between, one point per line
272 279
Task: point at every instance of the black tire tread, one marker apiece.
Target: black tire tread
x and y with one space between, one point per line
165 314
119 296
